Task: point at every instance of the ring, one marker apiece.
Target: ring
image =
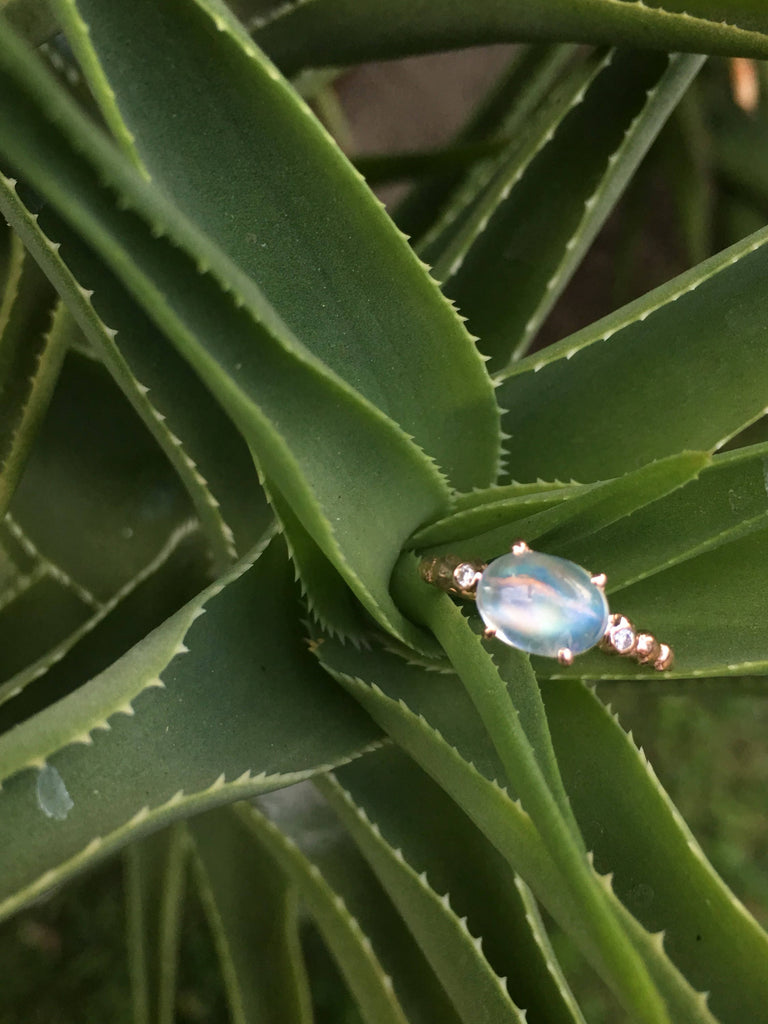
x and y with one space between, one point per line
544 605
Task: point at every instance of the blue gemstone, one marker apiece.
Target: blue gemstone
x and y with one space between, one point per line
542 604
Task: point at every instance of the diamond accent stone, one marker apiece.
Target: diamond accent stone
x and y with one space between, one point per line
465 575
622 639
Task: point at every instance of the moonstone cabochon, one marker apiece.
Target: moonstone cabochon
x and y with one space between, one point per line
542 604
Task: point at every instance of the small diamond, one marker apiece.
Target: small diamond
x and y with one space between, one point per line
622 639
465 576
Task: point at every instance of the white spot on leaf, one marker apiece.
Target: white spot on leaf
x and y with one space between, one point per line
52 796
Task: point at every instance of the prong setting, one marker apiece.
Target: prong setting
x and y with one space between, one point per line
599 580
519 548
565 656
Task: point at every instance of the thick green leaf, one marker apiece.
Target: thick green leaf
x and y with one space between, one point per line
116 502
33 339
295 412
335 32
727 501
660 873
575 409
500 118
456 956
466 217
431 717
197 436
363 972
253 914
546 804
710 609
209 708
524 252
97 638
363 297
688 567
155 880
415 817
306 820
591 508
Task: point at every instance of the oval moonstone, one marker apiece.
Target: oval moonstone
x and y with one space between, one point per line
542 604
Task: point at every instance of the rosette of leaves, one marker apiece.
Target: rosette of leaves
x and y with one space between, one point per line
238 408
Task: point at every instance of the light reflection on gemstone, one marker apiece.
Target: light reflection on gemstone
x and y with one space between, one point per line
541 604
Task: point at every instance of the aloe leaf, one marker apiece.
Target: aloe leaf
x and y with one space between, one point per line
306 820
496 509
330 601
660 873
173 577
198 438
228 104
253 915
455 954
489 270
466 218
336 32
501 116
295 412
155 880
552 816
431 717
591 509
116 501
220 702
33 340
728 500
371 987
436 838
710 609
581 394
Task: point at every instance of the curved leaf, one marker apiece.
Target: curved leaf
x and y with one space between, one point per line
660 873
253 914
207 709
416 818
455 955
306 820
575 408
580 511
357 960
297 414
336 32
155 880
197 436
431 717
34 335
531 235
363 297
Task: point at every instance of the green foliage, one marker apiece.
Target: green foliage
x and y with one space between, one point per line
237 409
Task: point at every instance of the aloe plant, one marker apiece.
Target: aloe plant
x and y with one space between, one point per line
238 409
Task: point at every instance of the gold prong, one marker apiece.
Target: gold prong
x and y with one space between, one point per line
599 580
648 648
565 656
489 632
520 548
665 659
